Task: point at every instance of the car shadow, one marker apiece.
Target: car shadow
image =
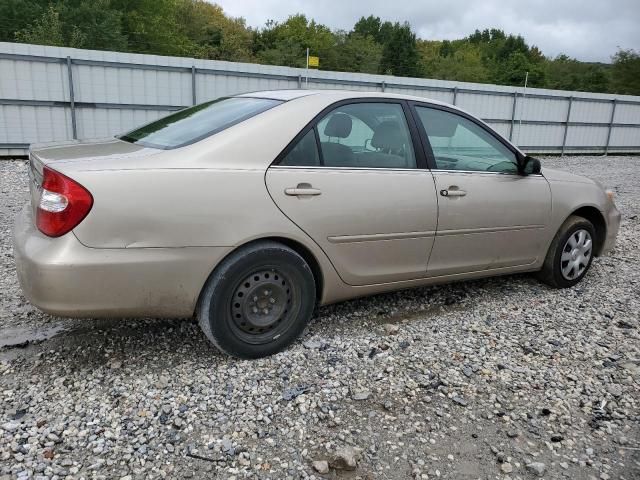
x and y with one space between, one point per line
91 343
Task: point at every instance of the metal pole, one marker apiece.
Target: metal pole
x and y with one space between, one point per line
383 85
613 113
193 84
72 102
455 94
524 100
307 80
566 126
513 114
299 81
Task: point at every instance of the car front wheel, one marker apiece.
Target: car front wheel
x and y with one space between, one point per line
570 254
257 301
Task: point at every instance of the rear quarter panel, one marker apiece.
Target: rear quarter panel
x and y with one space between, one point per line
178 208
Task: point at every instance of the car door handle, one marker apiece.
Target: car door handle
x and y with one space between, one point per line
452 193
303 189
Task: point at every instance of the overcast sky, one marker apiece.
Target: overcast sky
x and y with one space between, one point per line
590 30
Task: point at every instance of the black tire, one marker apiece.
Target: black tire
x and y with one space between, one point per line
551 272
257 301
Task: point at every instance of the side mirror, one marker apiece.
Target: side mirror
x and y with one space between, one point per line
528 165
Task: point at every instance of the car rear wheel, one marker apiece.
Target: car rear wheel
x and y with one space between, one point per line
257 301
570 254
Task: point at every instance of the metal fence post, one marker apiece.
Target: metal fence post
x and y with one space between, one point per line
566 126
613 114
299 81
455 94
513 114
383 85
72 101
193 85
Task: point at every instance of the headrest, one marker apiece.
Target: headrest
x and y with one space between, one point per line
388 135
339 125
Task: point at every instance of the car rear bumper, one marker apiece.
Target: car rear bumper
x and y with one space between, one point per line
63 277
613 225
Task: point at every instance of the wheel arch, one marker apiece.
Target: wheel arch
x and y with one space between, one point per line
305 253
294 245
596 218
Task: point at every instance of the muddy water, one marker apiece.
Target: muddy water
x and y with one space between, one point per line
18 337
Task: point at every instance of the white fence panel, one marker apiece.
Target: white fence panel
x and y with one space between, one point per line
543 109
101 123
497 107
588 111
587 136
627 113
624 136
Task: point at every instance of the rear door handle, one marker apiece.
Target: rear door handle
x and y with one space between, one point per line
303 189
453 193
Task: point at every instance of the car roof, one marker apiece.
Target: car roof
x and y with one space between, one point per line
336 95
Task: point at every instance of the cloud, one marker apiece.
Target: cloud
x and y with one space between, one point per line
590 30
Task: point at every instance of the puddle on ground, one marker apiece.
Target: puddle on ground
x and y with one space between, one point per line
411 315
20 341
21 337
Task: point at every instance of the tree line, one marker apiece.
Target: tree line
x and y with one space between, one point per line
196 28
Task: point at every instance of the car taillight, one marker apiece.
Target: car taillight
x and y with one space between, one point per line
63 204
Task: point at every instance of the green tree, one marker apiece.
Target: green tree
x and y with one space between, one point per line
513 71
46 30
17 15
368 27
212 33
82 24
286 43
400 54
463 64
153 26
595 79
625 72
92 24
357 53
375 28
565 73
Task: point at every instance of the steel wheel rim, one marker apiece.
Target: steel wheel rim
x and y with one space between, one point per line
261 306
576 254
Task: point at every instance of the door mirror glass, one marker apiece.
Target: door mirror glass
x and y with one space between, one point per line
531 165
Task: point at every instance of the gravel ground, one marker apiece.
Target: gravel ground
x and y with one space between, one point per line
486 379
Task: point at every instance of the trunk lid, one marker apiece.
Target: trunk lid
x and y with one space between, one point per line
108 153
109 149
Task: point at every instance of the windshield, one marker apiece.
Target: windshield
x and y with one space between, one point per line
195 123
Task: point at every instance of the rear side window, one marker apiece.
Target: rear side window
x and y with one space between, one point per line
195 123
304 153
356 135
366 135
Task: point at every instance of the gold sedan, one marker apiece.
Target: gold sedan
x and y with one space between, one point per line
248 211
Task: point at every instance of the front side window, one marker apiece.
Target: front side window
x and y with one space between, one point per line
195 123
366 135
460 144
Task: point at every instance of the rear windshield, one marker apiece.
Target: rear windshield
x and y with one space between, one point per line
195 123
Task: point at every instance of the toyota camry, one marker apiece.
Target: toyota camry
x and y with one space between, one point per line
249 211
